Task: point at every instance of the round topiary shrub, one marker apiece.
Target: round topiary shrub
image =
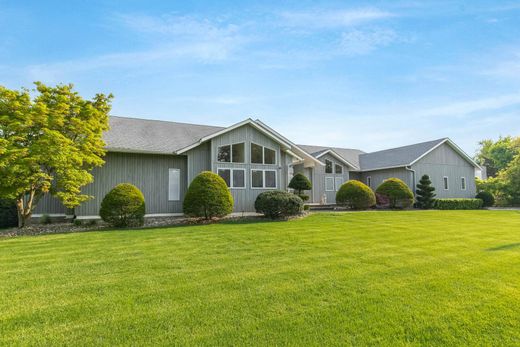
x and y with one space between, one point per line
355 195
123 206
278 204
397 193
487 198
300 183
208 196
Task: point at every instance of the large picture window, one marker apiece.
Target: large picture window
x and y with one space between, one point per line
265 179
234 178
231 153
262 155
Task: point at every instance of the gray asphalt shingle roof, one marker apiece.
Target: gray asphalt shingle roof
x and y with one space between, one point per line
349 154
394 157
153 136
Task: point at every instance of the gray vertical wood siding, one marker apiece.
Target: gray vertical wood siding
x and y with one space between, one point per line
147 172
378 176
444 161
51 206
320 176
199 159
245 197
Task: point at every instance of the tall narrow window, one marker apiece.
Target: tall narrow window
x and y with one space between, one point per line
369 181
328 166
257 178
338 169
270 178
174 184
226 175
463 183
269 156
329 184
445 181
257 155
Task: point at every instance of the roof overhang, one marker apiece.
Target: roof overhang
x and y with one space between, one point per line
337 156
454 146
248 121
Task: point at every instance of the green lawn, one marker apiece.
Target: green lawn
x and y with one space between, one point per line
386 278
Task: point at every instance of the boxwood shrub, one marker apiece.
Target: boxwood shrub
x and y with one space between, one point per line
8 213
208 196
278 204
458 204
396 192
355 195
488 199
123 206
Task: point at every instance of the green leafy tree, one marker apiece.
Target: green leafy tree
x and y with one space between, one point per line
49 144
300 183
510 182
496 155
208 196
425 193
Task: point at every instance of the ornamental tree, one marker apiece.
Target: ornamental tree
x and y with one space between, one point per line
49 143
300 183
425 193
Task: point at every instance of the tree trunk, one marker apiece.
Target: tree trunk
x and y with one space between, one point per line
25 208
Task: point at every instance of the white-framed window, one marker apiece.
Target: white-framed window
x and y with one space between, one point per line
338 181
446 183
328 166
263 179
463 183
234 153
234 178
329 184
262 155
174 184
338 169
369 181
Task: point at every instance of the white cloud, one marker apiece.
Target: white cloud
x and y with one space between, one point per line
358 42
333 19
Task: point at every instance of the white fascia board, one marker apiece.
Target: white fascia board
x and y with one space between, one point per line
248 121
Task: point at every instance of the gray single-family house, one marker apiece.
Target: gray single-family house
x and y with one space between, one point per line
161 158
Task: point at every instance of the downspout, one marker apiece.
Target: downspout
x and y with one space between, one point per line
409 168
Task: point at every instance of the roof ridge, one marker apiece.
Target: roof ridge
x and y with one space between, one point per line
410 145
168 121
329 147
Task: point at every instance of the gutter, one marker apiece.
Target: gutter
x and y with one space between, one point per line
409 168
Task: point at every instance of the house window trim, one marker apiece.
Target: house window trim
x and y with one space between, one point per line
175 198
263 154
231 153
446 183
231 176
333 184
369 181
463 183
263 179
331 168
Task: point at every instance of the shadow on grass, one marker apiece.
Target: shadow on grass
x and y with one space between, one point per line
504 247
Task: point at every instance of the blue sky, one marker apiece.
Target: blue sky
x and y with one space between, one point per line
368 75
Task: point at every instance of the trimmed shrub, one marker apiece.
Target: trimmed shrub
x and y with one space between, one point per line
397 192
208 196
425 193
278 204
458 204
46 219
487 198
123 206
356 195
300 183
8 214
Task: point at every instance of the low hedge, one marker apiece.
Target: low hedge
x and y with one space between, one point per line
458 204
278 204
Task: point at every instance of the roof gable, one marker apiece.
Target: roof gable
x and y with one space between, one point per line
347 154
